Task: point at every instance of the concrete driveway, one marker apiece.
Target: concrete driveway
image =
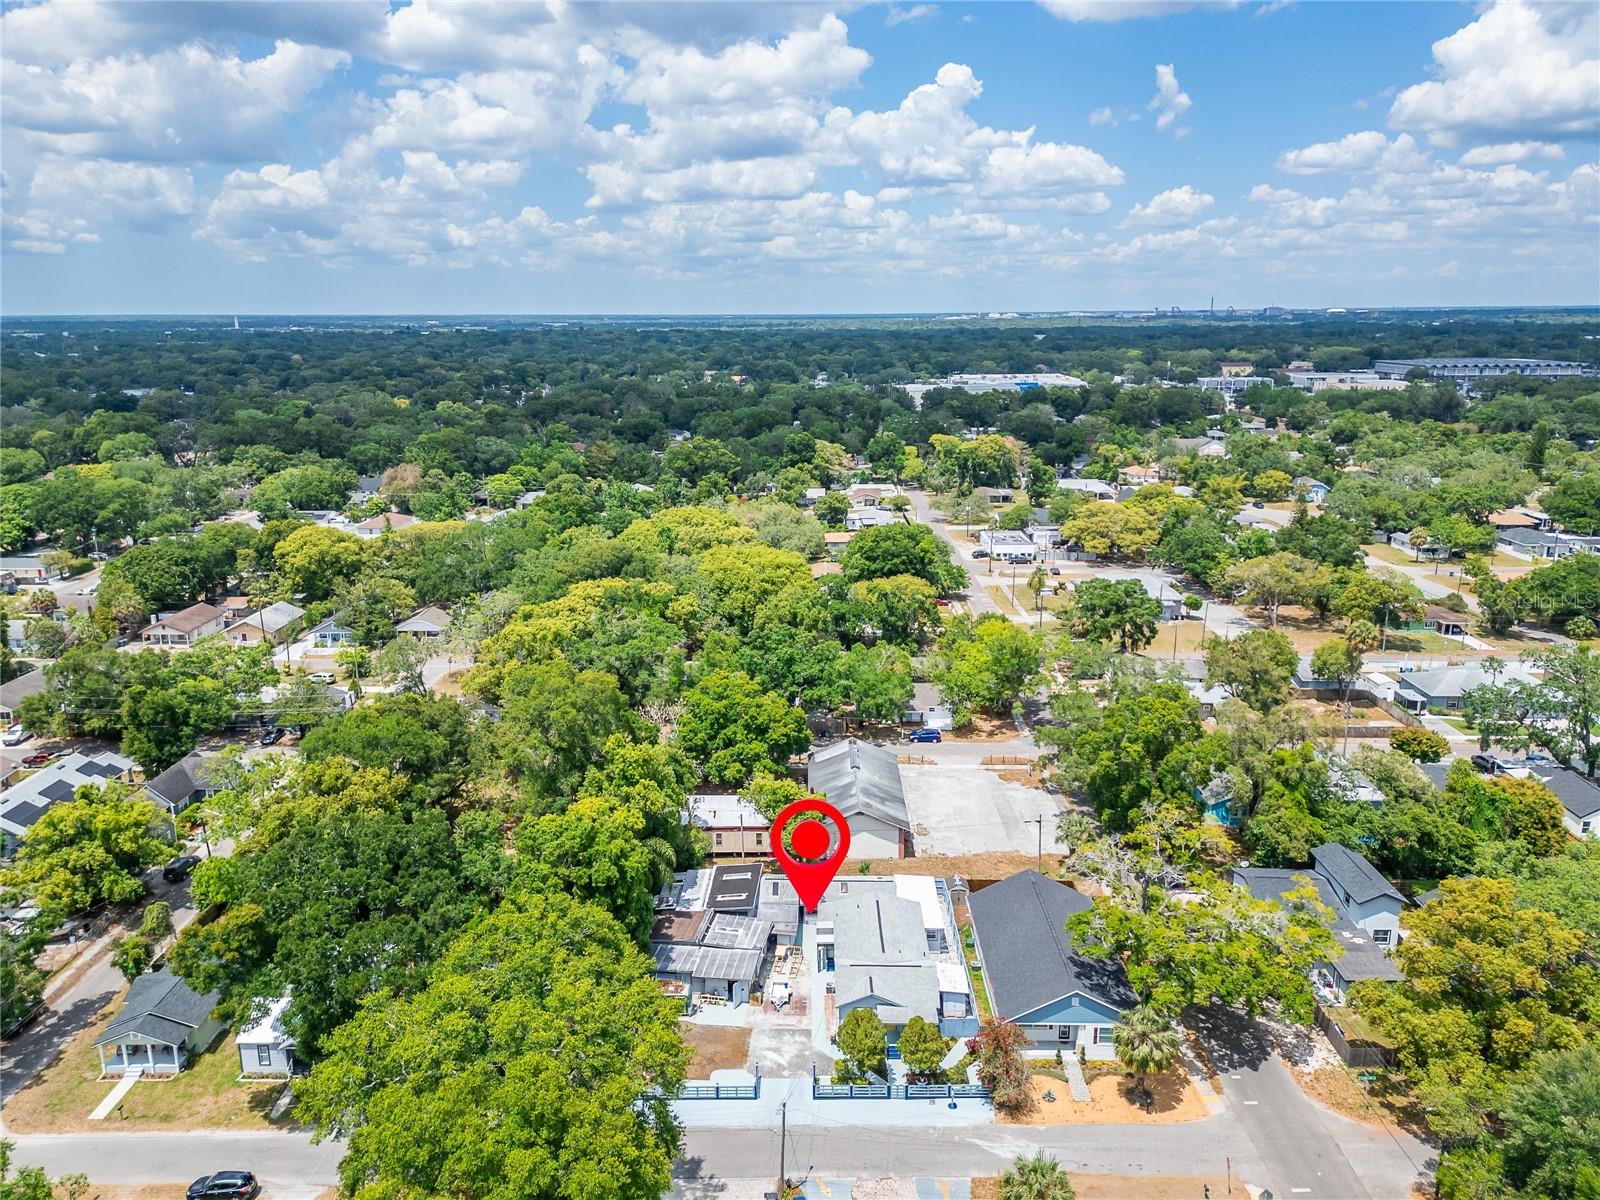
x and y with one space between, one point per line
964 809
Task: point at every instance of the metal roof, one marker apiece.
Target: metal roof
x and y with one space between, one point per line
859 779
1028 956
708 962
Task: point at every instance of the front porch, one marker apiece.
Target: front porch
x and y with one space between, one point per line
155 1058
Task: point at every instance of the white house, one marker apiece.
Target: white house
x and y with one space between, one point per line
23 803
866 518
332 634
266 1049
427 624
1008 545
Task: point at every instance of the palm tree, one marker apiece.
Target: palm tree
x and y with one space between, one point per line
1146 1043
1037 1178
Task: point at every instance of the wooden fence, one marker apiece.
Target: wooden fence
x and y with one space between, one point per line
1353 1053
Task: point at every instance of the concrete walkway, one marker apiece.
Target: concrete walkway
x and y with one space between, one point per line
1077 1085
124 1086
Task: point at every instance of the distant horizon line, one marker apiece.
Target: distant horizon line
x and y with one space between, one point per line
992 314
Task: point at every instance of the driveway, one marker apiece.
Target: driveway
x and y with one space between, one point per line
963 809
1306 1150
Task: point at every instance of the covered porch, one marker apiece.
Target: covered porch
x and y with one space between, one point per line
155 1057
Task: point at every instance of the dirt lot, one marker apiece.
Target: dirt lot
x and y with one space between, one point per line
1129 1187
1113 1103
716 1048
206 1095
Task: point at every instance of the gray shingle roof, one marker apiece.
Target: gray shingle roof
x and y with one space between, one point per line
189 774
15 691
1028 957
856 777
1578 795
161 1005
1351 871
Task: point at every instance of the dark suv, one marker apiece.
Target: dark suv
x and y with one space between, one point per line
239 1184
180 867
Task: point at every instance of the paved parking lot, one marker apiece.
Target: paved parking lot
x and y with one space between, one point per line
958 809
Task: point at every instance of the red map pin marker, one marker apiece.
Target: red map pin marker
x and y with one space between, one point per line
809 841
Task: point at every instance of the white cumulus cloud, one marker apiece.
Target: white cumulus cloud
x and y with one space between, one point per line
1170 101
1175 206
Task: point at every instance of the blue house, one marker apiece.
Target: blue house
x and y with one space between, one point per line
1034 975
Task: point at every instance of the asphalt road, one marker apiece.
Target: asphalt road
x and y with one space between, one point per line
1305 1149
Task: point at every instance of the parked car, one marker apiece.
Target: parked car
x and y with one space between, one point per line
225 1183
1483 762
15 736
180 867
322 677
925 734
941 602
980 554
272 737
1257 504
37 760
1055 570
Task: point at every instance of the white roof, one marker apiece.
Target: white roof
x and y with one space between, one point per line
952 977
925 892
269 1029
725 812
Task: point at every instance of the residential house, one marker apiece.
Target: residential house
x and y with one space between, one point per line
735 826
188 781
1446 687
811 495
1035 976
867 495
184 628
996 495
382 523
275 624
1545 543
928 708
266 1048
705 940
24 803
17 636
866 518
1008 545
836 540
890 944
1201 447
1579 796
427 624
862 781
1431 550
1099 489
1444 621
29 568
1312 491
367 487
1138 474
332 634
163 1024
1518 518
1366 910
14 691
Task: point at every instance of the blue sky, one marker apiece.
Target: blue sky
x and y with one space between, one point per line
360 156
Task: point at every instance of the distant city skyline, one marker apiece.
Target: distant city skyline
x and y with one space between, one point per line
788 158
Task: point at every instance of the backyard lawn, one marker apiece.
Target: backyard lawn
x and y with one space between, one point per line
205 1095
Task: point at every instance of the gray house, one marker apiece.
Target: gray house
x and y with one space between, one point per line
163 1024
1366 910
187 781
863 782
15 691
1035 976
1446 688
1579 796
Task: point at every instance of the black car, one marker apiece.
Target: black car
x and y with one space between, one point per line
272 737
225 1183
180 867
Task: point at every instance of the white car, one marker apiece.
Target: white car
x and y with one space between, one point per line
15 736
322 677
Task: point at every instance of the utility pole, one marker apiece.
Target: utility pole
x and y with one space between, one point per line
783 1148
1039 821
